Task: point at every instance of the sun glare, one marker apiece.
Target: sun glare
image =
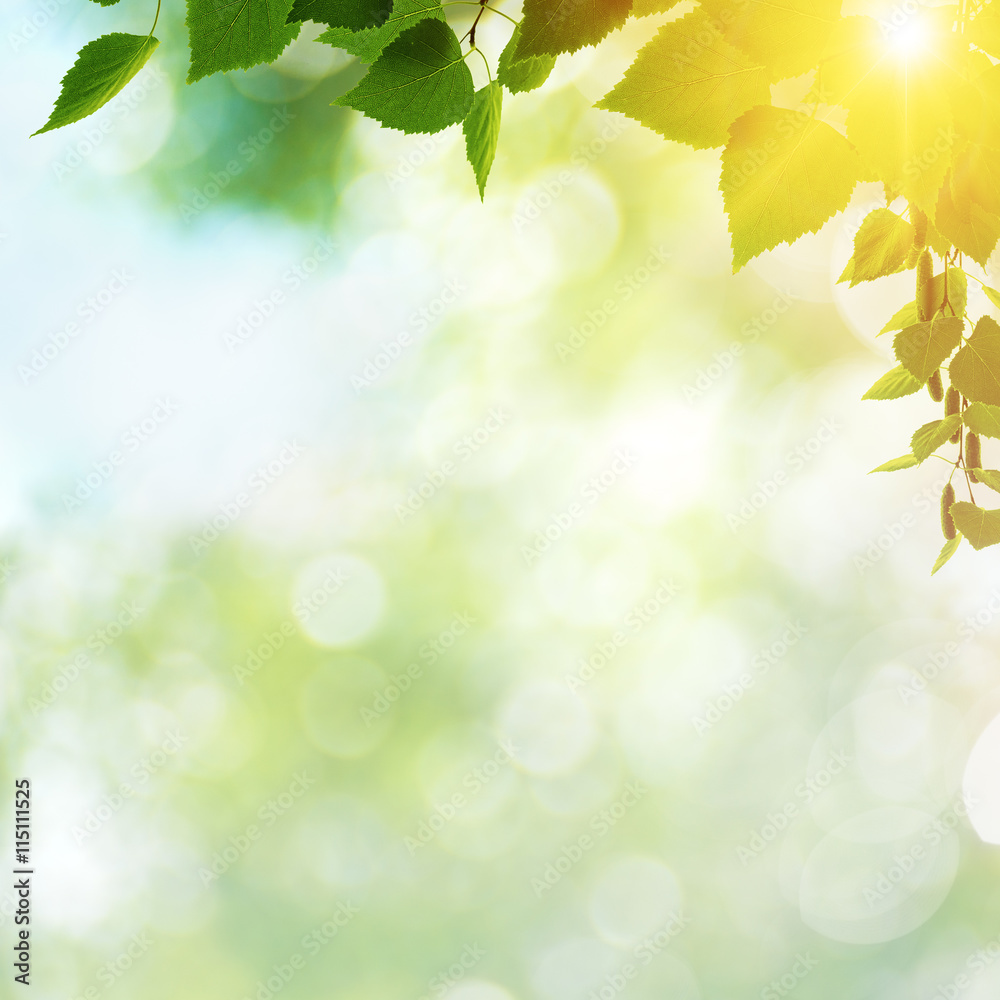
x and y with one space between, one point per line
909 39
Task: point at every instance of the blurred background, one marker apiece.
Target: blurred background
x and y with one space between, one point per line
407 597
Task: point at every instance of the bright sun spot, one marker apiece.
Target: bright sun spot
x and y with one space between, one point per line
909 39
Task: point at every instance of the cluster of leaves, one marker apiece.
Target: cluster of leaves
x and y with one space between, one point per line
418 80
913 104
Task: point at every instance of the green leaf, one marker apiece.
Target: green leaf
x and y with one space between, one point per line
990 477
897 464
970 228
419 83
106 3
101 70
892 385
643 8
981 527
783 175
236 34
880 247
789 36
975 370
924 347
906 316
976 178
931 436
981 418
689 84
993 295
957 294
482 130
353 14
368 44
522 75
549 27
958 289
949 549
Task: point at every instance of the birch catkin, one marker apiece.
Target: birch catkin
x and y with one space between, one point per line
925 287
935 386
952 404
973 455
947 521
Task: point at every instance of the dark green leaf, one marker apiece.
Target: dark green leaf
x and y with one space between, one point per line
353 14
368 44
549 27
236 34
419 83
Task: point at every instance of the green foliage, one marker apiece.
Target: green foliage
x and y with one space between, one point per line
980 526
804 174
894 384
227 35
643 8
355 15
550 27
367 44
924 124
983 419
522 75
975 370
924 347
482 130
927 439
787 36
419 83
898 464
988 476
101 70
948 550
689 84
880 247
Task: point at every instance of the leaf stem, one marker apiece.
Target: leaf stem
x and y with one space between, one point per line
156 18
485 62
476 3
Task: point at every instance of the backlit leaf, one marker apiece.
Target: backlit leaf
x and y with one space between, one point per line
101 70
975 370
981 527
924 347
932 435
894 384
880 246
783 175
689 84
